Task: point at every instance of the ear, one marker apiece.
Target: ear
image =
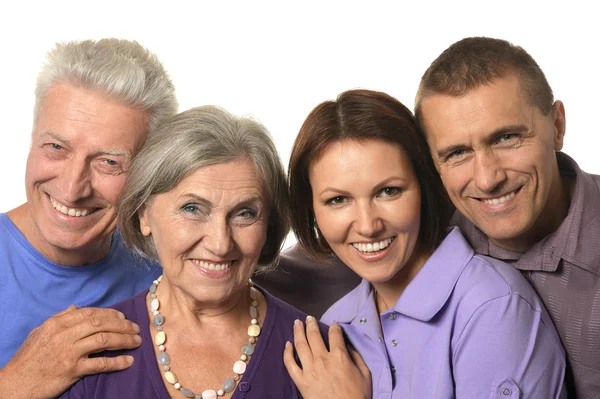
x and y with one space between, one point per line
560 124
144 222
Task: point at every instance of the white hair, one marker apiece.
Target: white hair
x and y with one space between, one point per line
121 69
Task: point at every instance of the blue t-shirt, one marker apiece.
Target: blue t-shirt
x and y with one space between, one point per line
32 288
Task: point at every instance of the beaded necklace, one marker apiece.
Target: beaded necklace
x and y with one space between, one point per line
239 367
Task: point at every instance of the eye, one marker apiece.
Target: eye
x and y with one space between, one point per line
190 208
389 191
336 200
456 154
111 162
247 213
55 146
506 137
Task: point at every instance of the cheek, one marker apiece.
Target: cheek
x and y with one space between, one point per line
251 240
108 187
332 223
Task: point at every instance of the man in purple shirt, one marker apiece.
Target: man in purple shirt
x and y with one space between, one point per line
495 133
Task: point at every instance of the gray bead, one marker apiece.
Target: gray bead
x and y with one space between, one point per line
187 393
248 349
198 396
158 320
229 385
153 288
164 358
253 313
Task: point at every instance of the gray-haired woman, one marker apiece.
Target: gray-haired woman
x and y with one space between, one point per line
207 198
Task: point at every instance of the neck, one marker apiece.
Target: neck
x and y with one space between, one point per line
183 309
390 291
87 255
554 213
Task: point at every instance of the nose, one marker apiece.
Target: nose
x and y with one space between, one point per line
488 172
76 180
368 223
218 239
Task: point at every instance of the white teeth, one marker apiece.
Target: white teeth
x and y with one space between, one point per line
373 247
499 200
212 266
68 211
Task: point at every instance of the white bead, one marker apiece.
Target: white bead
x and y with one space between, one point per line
177 385
161 348
154 304
155 312
239 367
254 321
220 392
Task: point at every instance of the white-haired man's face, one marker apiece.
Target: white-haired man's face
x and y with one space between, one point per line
82 145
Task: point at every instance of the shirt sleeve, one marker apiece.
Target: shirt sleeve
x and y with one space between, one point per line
507 351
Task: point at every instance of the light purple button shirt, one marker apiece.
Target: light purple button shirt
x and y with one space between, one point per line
467 326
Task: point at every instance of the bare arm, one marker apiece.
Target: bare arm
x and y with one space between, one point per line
55 355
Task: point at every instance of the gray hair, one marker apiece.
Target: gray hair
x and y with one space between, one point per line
197 138
121 69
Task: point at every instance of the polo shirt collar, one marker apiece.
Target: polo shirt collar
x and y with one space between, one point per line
423 298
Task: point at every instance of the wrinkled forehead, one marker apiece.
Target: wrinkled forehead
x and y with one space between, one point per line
482 110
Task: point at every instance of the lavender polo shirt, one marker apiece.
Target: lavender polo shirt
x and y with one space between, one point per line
467 326
564 269
265 378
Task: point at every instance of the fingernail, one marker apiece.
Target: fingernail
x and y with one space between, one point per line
120 315
309 318
287 344
136 328
129 359
137 339
297 323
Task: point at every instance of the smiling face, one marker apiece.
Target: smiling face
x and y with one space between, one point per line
367 203
209 230
496 155
81 147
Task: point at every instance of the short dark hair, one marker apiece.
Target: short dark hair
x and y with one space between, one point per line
475 61
363 115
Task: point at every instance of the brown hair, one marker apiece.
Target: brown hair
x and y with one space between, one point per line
363 115
475 61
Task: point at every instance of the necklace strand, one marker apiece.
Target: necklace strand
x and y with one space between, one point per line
239 367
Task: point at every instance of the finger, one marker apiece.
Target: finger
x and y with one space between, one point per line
302 348
336 338
96 324
103 341
67 310
85 313
359 362
313 335
290 363
95 365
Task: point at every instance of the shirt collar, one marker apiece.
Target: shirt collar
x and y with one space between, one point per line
423 298
571 241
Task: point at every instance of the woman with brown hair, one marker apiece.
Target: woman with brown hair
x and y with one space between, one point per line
430 318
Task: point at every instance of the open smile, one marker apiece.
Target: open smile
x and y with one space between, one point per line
76 212
373 247
212 266
501 199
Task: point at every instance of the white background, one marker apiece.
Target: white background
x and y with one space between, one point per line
277 60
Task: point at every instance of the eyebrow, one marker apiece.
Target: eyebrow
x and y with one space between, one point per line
111 152
443 152
245 201
378 187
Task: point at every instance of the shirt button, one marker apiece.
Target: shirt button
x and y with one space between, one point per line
394 342
393 369
506 392
380 339
392 316
363 320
